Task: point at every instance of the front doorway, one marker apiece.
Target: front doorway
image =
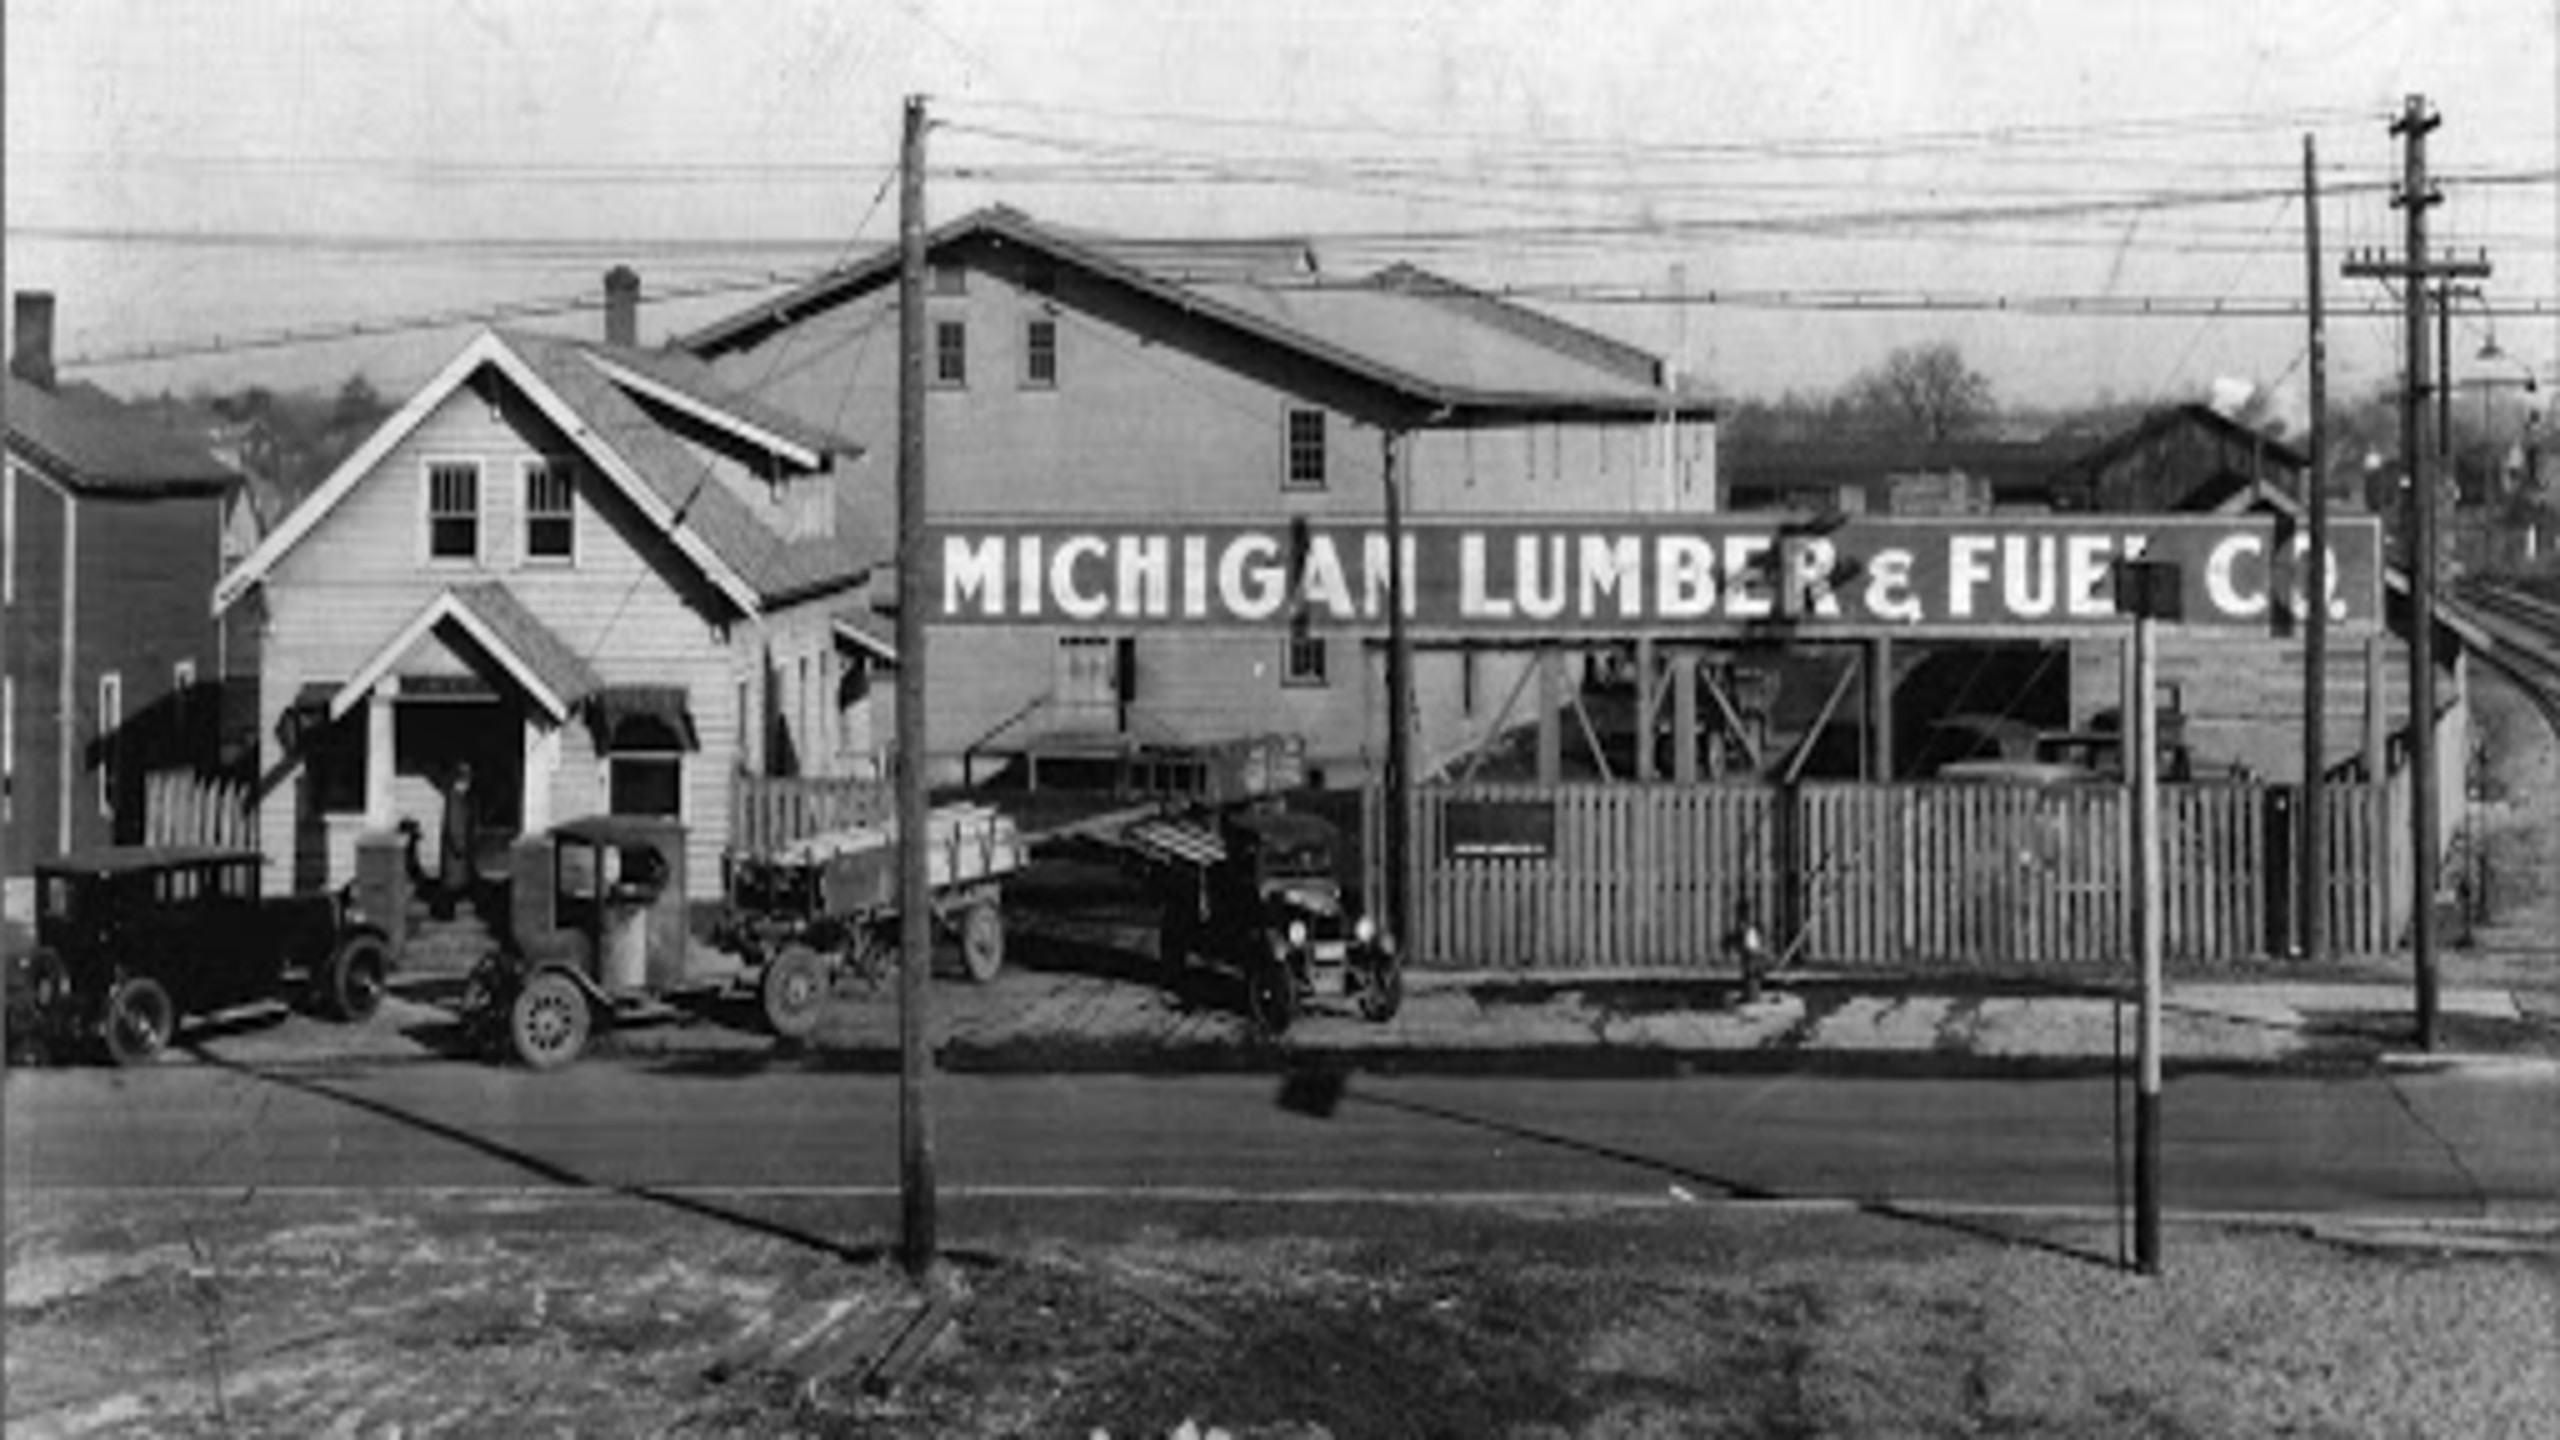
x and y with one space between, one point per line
458 772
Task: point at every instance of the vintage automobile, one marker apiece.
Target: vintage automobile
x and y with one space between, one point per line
1260 893
599 931
132 940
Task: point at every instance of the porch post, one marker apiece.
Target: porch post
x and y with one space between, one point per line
541 766
378 732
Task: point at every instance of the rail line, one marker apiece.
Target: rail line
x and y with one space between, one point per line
2524 626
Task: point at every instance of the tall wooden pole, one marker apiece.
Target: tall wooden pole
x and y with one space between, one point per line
2314 844
2414 199
1399 837
2413 271
2147 917
916 1239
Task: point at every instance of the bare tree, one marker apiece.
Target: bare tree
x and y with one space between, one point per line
1927 391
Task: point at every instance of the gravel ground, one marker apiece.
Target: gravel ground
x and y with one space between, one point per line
544 1314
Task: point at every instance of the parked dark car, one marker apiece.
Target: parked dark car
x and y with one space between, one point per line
130 941
1271 904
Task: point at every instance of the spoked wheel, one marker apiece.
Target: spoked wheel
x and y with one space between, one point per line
1270 998
982 940
795 981
549 1022
140 1019
1382 989
353 980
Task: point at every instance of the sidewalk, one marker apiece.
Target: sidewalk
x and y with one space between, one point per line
1125 1018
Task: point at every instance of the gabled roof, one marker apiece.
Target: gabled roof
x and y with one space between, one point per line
92 442
601 397
550 671
1428 341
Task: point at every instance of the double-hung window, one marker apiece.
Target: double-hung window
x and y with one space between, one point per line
950 354
453 510
1306 447
1303 664
550 513
1040 354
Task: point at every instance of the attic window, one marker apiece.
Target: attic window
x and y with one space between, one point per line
949 279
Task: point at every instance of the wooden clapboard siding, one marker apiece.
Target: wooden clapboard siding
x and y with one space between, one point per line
1849 875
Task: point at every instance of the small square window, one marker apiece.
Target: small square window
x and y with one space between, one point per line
1304 664
1040 354
949 279
453 510
1306 449
646 784
950 353
550 513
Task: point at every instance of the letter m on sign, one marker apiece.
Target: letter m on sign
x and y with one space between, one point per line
973 573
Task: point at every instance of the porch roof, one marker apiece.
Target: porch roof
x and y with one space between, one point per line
549 671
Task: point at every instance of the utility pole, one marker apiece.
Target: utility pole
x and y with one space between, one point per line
916 1239
2414 270
1399 828
2315 631
2147 590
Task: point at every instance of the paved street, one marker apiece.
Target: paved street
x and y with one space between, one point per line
2454 1146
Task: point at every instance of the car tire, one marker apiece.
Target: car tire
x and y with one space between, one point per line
353 979
1382 990
1270 998
549 1021
139 1021
795 983
982 940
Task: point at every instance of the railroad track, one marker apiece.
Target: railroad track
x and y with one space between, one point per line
2525 626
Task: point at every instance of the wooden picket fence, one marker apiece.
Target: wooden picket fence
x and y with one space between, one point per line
181 807
767 812
1655 876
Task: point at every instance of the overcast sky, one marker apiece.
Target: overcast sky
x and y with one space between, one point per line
179 173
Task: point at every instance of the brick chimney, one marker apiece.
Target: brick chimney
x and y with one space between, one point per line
32 359
622 306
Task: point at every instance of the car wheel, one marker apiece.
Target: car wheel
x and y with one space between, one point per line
354 979
140 1019
795 981
1382 990
548 1024
982 940
1270 998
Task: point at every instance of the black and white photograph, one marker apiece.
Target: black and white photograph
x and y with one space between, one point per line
1140 720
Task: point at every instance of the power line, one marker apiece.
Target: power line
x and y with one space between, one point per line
415 322
1799 146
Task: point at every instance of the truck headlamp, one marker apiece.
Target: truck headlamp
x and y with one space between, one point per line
1364 930
1298 934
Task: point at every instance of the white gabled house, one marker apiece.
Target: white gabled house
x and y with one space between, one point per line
591 573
